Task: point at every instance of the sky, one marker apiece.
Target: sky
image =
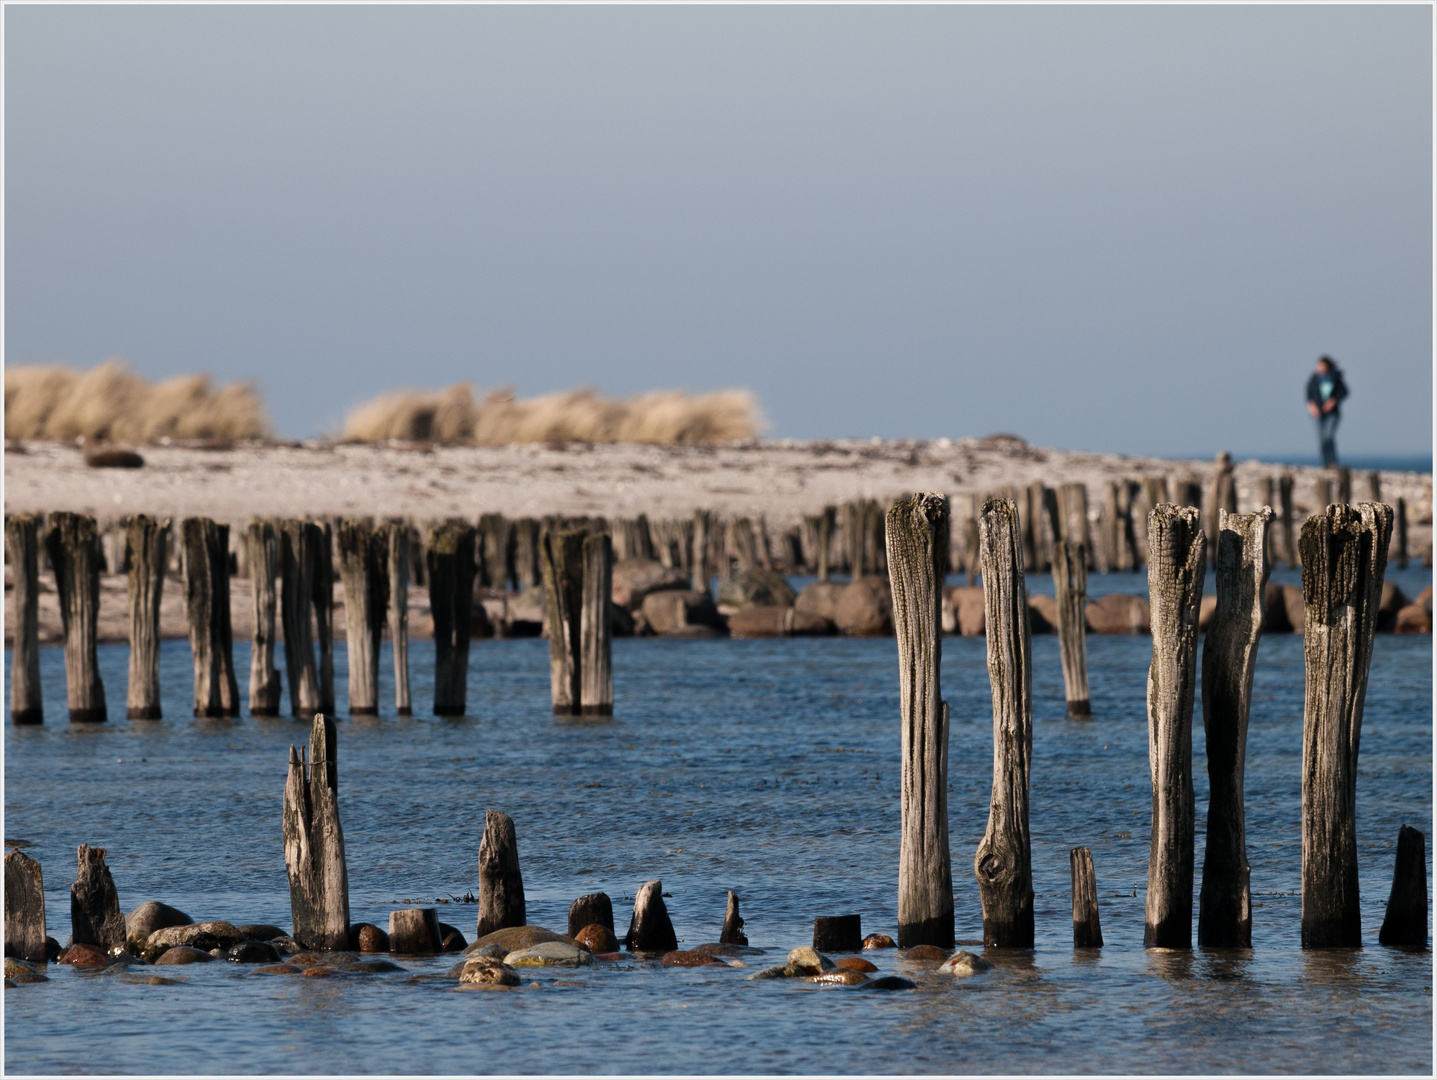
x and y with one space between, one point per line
1112 228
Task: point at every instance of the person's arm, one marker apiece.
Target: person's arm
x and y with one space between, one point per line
1314 397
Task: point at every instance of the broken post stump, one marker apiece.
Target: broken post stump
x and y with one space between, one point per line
450 561
323 600
95 915
838 933
314 843
917 537
1176 564
1070 587
22 544
1404 925
25 908
207 610
364 569
262 554
561 557
1344 556
596 634
1003 862
414 932
589 909
298 540
397 548
1229 657
732 932
650 929
73 546
501 886
1087 930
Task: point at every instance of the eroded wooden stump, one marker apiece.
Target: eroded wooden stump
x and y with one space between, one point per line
414 932
501 885
94 905
650 929
314 843
25 908
588 909
732 932
1405 924
1087 929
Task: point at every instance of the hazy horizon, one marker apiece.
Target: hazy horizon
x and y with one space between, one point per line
1118 229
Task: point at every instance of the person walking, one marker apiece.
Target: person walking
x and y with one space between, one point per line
1325 391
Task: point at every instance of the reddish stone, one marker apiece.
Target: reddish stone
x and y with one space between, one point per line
611 957
319 972
85 956
855 963
597 938
839 976
878 941
926 952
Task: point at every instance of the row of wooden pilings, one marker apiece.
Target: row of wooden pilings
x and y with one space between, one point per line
1343 555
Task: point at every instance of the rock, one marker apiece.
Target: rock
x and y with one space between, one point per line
486 971
839 976
1296 610
205 935
149 917
1425 598
925 952
650 929
890 982
286 945
1387 608
969 609
1207 608
1042 614
588 909
517 937
371 967
760 621
597 938
879 941
15 966
184 954
323 959
724 948
494 952
697 633
820 599
688 958
1118 613
865 607
451 939
1413 619
550 954
25 977
1274 612
260 932
85 957
52 949
756 588
778 971
855 963
253 952
635 579
808 961
806 624
366 937
277 969
963 963
673 609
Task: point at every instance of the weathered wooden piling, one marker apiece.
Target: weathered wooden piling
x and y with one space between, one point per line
323 585
1221 495
827 523
700 565
742 546
732 931
501 885
1229 657
1321 493
1118 521
494 547
450 563
73 546
596 637
298 539
1070 588
650 929
1343 483
262 555
589 909
24 908
396 534
1176 564
1087 929
971 544
1285 517
1344 556
146 541
207 611
838 933
1374 486
1073 504
364 568
1405 923
314 843
414 932
526 552
562 559
95 915
917 539
1399 512
1003 863
22 542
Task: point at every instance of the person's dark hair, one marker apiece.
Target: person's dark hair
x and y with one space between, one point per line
1325 359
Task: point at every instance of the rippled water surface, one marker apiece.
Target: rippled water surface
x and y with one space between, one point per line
767 767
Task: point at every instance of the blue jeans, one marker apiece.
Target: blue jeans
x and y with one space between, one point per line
1327 437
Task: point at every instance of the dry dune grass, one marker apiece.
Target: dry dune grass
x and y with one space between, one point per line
112 403
454 416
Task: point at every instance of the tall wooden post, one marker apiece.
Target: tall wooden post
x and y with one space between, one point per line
1344 484
297 561
22 542
501 885
1285 517
972 544
450 558
363 566
526 552
596 681
826 525
73 545
397 549
1399 510
1074 502
323 584
1087 929
561 558
1176 564
495 545
1003 862
146 542
262 555
1229 657
917 542
207 609
314 843
1070 587
1344 557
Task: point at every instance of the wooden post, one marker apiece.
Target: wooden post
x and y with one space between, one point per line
875 555
732 932
742 547
1404 925
1289 530
414 932
1344 556
917 540
495 546
596 668
561 555
1374 489
972 545
323 584
827 522
25 908
702 568
650 929
73 545
22 543
1176 564
1074 502
146 543
1400 528
589 909
1070 587
526 552
1222 495
363 564
207 609
297 541
838 933
450 558
1003 863
314 843
1229 657
397 549
262 556
94 906
1087 930
1321 493
1152 491
765 553
501 885
1344 484
1049 525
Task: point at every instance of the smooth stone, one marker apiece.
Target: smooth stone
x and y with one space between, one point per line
85 956
856 963
890 982
15 966
550 954
135 979
323 959
519 937
253 952
287 945
963 963
839 976
22 977
486 971
495 952
206 935
184 954
688 958
597 938
277 969
370 967
366 937
806 960
257 931
149 917
778 971
925 952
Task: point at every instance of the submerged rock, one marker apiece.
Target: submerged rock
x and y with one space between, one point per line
925 952
253 952
889 982
184 954
259 932
856 963
486 971
550 954
688 958
323 959
85 957
963 963
839 976
149 917
879 941
808 961
778 971
205 936
277 969
517 937
370 967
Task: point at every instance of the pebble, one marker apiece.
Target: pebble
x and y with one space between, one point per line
963 964
550 954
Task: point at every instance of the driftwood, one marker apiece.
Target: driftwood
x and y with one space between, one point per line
1344 556
397 549
262 555
650 929
298 540
1070 587
596 637
1404 925
94 906
323 599
25 908
1176 551
732 932
73 546
501 885
1003 863
314 843
1087 930
589 909
838 933
22 543
414 932
917 538
364 568
1229 657
207 610
450 559
561 557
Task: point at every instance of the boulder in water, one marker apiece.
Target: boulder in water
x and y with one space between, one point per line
963 963
865 607
550 954
184 954
756 587
635 579
149 917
